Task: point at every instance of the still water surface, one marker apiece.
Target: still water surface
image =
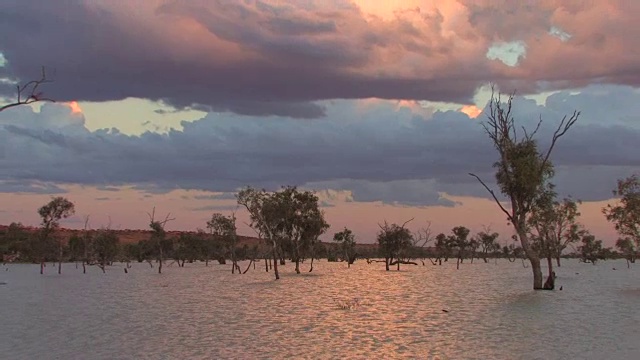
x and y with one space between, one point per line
200 312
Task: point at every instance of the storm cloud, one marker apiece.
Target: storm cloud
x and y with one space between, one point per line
379 150
283 58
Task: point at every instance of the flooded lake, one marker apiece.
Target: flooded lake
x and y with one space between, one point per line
364 312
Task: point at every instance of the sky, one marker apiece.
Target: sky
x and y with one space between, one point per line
375 105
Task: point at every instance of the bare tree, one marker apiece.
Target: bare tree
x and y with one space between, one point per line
522 170
30 92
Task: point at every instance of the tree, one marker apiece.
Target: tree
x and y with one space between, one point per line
626 214
627 250
300 221
521 170
553 225
346 242
460 242
30 92
51 213
158 235
591 249
392 240
487 241
105 247
263 212
223 228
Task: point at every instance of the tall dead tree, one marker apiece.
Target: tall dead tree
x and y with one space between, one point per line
521 170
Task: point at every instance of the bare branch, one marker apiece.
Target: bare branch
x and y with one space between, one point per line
509 216
28 93
406 222
562 129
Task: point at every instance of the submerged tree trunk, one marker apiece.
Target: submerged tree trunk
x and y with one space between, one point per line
160 264
311 269
458 264
532 256
275 261
550 283
266 265
59 257
386 263
558 261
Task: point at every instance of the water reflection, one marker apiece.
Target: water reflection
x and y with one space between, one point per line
483 311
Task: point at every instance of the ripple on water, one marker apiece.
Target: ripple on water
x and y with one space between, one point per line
433 312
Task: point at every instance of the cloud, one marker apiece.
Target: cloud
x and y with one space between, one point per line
362 151
283 58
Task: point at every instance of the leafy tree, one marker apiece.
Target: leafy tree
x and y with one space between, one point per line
263 212
460 241
346 242
223 228
627 250
15 243
105 247
521 170
488 243
626 214
301 221
392 240
553 225
158 236
51 213
591 249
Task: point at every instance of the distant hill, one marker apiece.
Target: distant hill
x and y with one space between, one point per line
128 236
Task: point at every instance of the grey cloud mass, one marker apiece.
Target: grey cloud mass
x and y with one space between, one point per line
379 150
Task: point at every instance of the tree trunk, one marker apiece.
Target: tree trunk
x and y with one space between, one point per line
550 283
59 257
558 261
266 265
275 261
160 264
311 269
458 264
386 263
41 267
297 266
531 255
398 268
84 267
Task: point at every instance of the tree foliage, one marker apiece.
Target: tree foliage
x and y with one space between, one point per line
625 215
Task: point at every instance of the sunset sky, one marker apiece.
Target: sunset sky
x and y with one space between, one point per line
376 105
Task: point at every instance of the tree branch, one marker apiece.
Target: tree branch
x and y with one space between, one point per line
509 216
28 93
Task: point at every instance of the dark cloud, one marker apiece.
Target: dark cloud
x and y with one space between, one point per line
377 150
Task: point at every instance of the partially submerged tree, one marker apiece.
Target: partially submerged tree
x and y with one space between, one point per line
627 250
392 241
591 249
29 92
158 235
263 212
51 213
223 228
460 242
522 170
346 243
626 214
487 241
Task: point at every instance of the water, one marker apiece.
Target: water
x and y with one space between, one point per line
200 312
